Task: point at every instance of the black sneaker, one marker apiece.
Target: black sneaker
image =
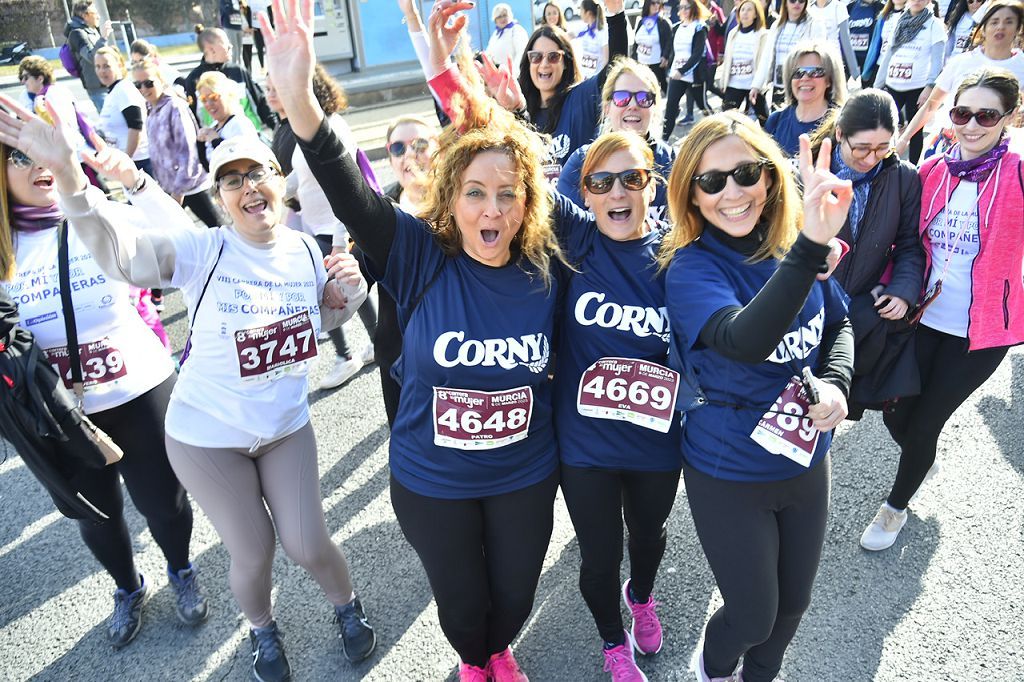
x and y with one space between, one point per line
268 661
357 636
126 621
192 607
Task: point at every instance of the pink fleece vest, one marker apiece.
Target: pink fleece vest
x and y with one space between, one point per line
996 315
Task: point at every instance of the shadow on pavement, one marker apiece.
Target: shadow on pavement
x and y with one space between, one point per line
1005 419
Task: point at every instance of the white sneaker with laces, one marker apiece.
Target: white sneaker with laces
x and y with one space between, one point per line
343 370
366 356
884 529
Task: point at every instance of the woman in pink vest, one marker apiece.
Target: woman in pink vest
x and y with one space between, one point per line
973 308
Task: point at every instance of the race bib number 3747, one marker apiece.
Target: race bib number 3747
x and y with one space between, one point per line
271 350
481 420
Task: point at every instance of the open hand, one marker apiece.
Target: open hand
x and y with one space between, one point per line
827 199
47 145
289 48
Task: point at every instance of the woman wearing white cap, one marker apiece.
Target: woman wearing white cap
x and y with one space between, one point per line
238 432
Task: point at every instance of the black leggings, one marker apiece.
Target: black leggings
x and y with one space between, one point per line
202 205
367 311
597 500
763 542
138 427
949 375
906 105
676 90
483 559
736 98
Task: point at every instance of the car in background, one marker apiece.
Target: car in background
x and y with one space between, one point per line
570 9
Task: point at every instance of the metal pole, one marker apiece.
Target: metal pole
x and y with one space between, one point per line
101 7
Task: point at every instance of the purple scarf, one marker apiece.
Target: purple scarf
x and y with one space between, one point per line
649 23
975 170
591 31
501 31
35 218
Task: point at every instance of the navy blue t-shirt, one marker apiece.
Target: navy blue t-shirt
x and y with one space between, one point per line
614 308
578 122
664 157
704 278
786 128
863 17
474 419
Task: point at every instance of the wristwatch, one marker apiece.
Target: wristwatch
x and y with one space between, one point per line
139 185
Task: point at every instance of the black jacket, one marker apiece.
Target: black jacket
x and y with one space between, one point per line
41 418
84 40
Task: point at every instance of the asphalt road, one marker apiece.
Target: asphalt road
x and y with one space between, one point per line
944 604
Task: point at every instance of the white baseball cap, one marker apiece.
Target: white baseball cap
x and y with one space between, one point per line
242 147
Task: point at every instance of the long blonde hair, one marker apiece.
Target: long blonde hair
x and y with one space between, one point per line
480 125
8 266
782 211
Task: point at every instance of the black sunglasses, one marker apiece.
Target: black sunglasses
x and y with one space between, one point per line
535 56
986 118
622 98
808 72
634 179
148 83
745 175
399 148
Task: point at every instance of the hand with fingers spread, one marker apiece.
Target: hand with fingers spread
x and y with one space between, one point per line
501 84
827 199
443 31
289 48
47 145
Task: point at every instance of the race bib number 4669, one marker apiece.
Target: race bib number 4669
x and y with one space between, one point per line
630 390
481 420
274 349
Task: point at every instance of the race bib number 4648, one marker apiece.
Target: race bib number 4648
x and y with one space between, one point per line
481 420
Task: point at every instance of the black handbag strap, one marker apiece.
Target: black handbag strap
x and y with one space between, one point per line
70 328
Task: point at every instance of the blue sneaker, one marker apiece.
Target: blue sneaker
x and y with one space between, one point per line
192 607
357 636
268 660
126 621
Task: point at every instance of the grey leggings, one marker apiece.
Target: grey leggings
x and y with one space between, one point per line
231 485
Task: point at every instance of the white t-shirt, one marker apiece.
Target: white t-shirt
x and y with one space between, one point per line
962 35
910 65
744 52
590 52
121 357
648 43
511 44
317 215
254 336
785 40
957 68
888 30
112 123
949 312
238 124
825 22
682 46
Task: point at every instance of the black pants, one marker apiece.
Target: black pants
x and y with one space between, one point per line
138 428
736 98
597 500
202 205
763 542
676 90
906 105
483 558
367 312
659 72
949 375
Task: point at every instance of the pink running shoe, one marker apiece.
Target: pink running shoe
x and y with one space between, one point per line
621 663
503 668
646 628
471 673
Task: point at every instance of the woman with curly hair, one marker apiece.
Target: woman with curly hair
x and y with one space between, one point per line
473 456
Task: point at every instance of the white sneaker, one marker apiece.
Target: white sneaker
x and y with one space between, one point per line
342 371
884 529
366 356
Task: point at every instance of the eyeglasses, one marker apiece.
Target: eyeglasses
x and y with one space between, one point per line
535 56
862 152
634 179
257 176
212 97
808 72
398 148
622 98
986 118
148 83
20 160
745 175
